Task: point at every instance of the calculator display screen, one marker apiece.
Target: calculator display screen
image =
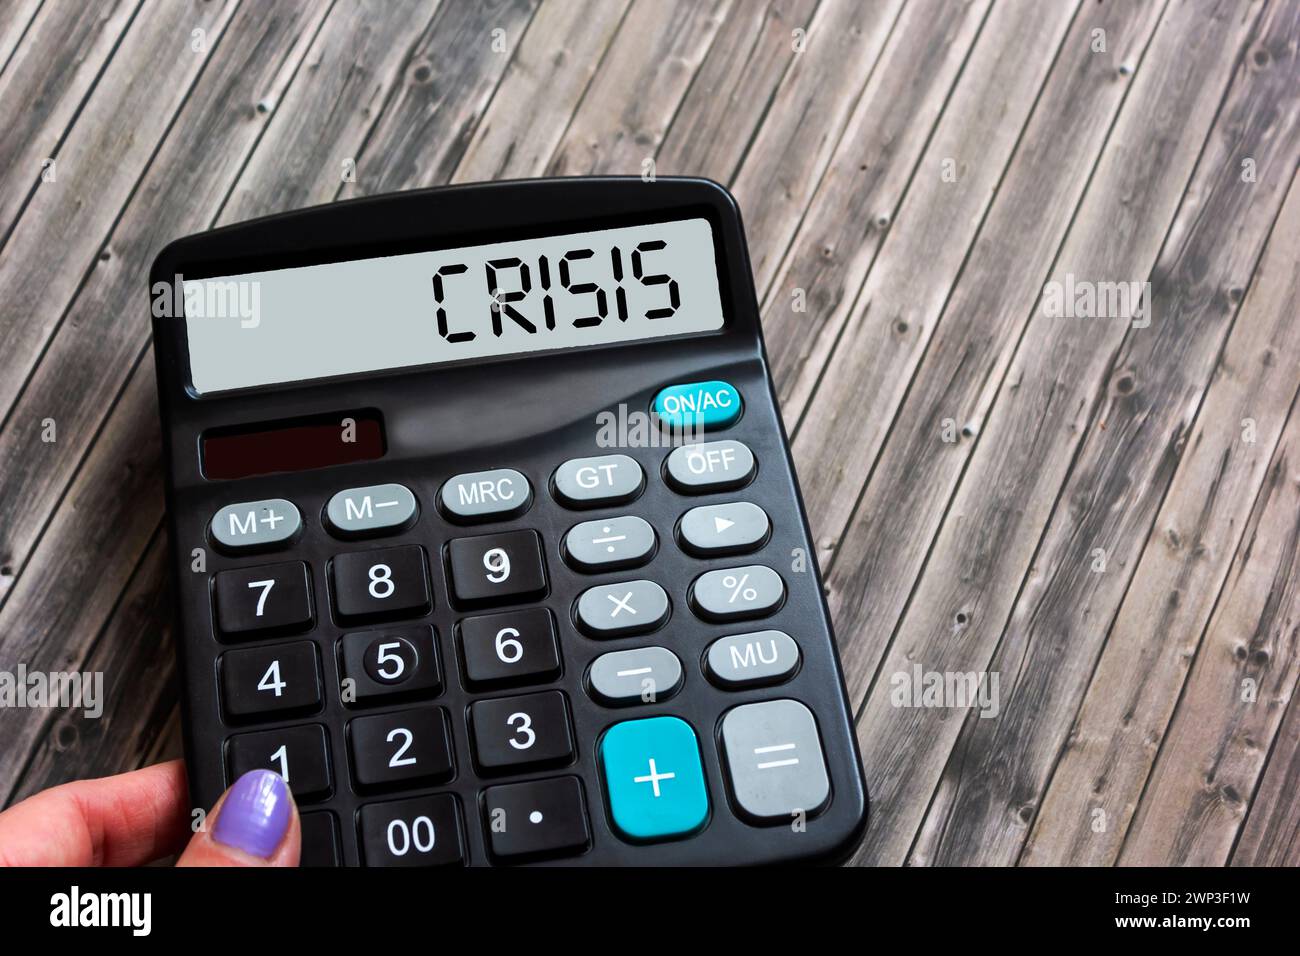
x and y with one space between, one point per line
422 308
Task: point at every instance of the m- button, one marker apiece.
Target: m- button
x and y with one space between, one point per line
373 510
485 495
253 525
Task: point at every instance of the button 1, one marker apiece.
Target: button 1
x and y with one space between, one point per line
299 754
320 840
253 525
389 582
373 510
724 529
390 662
642 675
271 597
654 778
609 544
497 568
510 732
731 594
751 660
516 647
698 405
710 466
278 678
485 495
403 747
774 759
603 480
613 610
422 831
537 818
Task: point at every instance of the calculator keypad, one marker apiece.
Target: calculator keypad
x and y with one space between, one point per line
386 583
272 680
271 597
299 754
512 732
497 568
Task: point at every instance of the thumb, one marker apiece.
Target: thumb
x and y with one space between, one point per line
256 824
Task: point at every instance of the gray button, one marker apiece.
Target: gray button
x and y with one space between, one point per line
639 676
746 660
609 543
613 610
774 756
256 524
735 593
724 529
587 482
477 495
710 466
375 508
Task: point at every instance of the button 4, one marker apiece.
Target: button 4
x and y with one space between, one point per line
603 480
255 525
278 678
272 597
774 759
615 610
654 778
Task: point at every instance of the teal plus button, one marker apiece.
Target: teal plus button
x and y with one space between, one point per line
654 778
698 405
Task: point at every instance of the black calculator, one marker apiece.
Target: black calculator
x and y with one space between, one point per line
486 536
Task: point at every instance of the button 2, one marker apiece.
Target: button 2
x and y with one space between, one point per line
774 758
603 480
709 466
540 817
497 567
402 747
279 678
732 594
609 544
375 509
253 525
391 582
642 675
724 529
423 831
654 778
272 597
698 405
485 495
615 610
514 647
511 732
299 754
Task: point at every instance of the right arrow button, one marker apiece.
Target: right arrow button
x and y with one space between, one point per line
734 528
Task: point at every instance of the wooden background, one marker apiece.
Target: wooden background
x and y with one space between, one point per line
1106 516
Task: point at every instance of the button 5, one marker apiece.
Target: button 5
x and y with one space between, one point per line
391 661
654 778
774 758
698 405
485 495
604 480
254 525
373 510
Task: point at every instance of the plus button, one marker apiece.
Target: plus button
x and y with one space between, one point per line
654 777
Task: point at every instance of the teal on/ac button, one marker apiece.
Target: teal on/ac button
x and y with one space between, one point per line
698 405
654 778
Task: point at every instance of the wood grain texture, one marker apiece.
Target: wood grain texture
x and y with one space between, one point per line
1271 835
15 20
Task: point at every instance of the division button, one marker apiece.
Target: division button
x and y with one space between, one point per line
537 818
373 510
724 529
642 675
710 466
751 660
774 759
254 525
603 480
614 610
654 778
732 594
609 544
485 495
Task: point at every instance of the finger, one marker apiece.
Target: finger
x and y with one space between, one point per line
255 823
126 820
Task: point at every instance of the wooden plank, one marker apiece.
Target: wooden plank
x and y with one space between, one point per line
15 20
729 97
324 118
1271 836
98 168
1108 755
658 47
44 86
808 117
1214 753
423 133
916 471
1121 471
840 236
559 55
987 540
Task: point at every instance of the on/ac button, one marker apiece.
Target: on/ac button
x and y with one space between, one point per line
698 405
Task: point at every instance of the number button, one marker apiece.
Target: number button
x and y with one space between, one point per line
537 818
391 662
509 648
424 831
405 746
497 567
320 840
262 680
391 582
299 754
513 731
273 597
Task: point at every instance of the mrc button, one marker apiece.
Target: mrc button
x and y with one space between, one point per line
485 495
375 509
710 466
698 405
251 525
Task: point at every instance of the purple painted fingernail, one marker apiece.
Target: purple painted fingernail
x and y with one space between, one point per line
256 814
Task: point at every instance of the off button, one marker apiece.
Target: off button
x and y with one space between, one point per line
698 405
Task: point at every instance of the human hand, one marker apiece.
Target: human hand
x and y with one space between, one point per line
136 818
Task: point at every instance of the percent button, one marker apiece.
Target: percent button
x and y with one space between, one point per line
733 594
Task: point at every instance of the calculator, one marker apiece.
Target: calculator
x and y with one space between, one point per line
485 533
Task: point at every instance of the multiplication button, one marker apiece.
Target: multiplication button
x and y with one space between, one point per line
774 758
609 544
709 466
616 610
732 594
